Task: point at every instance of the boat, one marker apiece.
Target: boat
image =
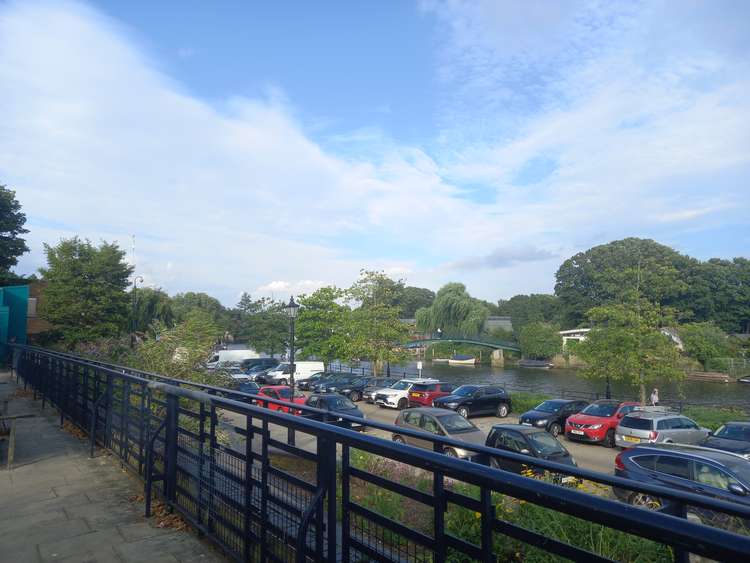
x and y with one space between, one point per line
462 360
745 379
538 364
440 360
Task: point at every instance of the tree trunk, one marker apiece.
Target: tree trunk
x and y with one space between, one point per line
643 389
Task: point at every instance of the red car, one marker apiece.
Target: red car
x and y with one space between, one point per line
281 393
422 394
597 422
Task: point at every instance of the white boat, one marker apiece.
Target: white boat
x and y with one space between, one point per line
462 360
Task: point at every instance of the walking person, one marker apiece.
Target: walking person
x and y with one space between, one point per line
655 397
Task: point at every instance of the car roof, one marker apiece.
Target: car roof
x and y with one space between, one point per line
653 415
561 401
614 402
697 452
523 429
277 387
737 423
420 380
430 410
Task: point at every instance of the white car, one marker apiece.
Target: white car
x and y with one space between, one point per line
397 395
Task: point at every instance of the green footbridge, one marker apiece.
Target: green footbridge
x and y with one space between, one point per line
463 339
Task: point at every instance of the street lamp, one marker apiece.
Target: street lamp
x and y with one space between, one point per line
291 311
136 280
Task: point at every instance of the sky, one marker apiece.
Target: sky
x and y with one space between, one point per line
276 147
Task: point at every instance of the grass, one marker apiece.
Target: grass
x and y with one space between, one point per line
524 401
713 417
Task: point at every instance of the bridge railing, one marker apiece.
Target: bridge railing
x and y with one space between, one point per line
324 492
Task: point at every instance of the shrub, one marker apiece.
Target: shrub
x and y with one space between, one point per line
713 417
523 401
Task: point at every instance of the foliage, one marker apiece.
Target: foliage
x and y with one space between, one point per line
12 221
713 417
500 333
323 325
540 341
454 311
704 341
626 344
152 305
85 296
414 298
263 323
110 350
524 309
184 303
523 401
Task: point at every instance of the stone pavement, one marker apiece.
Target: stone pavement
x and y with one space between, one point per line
59 505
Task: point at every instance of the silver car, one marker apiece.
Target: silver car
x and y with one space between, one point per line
439 422
653 426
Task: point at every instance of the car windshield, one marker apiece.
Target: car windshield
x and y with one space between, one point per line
545 443
401 385
456 424
548 406
734 432
340 403
600 409
465 390
285 393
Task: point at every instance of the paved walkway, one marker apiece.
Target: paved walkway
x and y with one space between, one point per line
59 505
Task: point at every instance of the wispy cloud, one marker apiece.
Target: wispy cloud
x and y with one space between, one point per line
503 258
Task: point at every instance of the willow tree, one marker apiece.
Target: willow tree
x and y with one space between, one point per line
454 311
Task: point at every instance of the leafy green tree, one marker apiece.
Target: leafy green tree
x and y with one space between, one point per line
414 298
184 303
540 341
524 309
704 341
263 323
12 221
85 297
626 344
719 291
324 325
454 311
152 305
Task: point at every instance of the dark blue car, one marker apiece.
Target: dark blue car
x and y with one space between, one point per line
334 404
551 415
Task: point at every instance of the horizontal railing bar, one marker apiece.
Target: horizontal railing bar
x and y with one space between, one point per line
398 488
391 525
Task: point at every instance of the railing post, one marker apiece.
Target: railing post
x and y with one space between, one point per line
170 440
439 510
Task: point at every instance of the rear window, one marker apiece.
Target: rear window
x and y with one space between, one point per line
422 387
673 466
636 423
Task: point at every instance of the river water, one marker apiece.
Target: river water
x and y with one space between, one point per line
559 382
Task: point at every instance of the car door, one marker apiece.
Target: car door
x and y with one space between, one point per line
674 472
476 404
509 441
410 420
492 396
693 433
430 426
713 481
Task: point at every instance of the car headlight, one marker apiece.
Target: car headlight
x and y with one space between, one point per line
573 461
331 388
595 426
541 422
451 405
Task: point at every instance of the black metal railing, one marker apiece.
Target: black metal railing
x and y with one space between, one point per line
227 466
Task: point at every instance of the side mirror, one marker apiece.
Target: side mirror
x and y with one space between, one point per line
620 414
525 452
736 489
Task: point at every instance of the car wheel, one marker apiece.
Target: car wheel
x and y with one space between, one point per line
555 429
609 439
355 396
644 501
463 411
402 404
381 406
450 452
398 439
502 410
282 381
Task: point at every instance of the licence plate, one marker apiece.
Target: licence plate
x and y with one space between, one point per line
579 432
631 439
568 479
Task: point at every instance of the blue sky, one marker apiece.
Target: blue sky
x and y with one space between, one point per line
274 147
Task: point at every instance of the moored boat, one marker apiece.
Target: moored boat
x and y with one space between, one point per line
462 360
538 364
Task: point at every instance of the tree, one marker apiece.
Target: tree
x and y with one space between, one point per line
184 303
414 298
85 297
263 323
454 311
324 325
605 273
626 344
524 309
12 221
704 341
152 305
540 341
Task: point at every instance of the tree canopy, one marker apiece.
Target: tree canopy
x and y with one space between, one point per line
152 305
525 309
12 222
85 295
414 298
454 311
540 341
704 341
323 325
263 323
184 303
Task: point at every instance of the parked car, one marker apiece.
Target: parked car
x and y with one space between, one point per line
314 379
280 393
658 425
422 394
469 400
369 392
704 471
355 389
257 364
280 375
335 384
334 404
397 395
551 415
438 422
222 356
247 386
597 422
530 441
731 437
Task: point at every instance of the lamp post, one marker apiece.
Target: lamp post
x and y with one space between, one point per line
291 311
136 280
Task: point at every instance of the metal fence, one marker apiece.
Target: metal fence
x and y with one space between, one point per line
270 486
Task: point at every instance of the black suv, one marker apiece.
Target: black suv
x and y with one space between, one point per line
355 389
731 437
551 415
704 471
469 400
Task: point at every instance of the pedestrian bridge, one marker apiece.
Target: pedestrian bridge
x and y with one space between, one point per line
464 339
264 485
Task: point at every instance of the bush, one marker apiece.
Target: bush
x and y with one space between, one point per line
713 417
523 401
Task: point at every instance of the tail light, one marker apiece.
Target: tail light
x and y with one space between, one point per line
618 462
653 435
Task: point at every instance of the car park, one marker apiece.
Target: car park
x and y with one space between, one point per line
397 395
422 394
731 437
651 425
369 392
527 441
281 374
257 364
551 415
704 471
335 384
470 400
598 421
438 422
280 393
355 389
334 404
314 379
